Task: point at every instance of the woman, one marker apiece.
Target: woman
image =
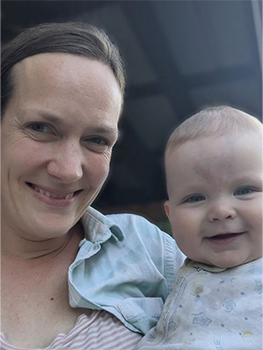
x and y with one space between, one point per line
71 277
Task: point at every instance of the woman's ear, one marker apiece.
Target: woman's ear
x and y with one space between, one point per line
167 209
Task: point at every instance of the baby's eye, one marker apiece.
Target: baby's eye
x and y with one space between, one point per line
39 127
194 198
243 191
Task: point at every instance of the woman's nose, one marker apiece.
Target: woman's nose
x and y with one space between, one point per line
221 211
66 164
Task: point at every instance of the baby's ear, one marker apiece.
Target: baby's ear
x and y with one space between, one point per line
167 208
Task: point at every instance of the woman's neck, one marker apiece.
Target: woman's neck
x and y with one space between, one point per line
16 246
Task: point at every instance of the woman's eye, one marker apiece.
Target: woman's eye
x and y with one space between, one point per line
194 198
243 191
39 127
97 144
99 141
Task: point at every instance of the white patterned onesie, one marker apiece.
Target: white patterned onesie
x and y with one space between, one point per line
211 309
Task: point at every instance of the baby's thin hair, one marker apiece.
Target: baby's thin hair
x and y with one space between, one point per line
213 121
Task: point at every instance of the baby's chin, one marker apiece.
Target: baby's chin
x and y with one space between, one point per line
228 263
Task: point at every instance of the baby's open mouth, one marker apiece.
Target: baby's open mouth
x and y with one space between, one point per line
225 236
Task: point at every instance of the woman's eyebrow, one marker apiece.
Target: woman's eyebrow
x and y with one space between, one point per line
101 128
45 115
50 117
108 130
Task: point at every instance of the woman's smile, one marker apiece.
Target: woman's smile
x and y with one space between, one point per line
53 197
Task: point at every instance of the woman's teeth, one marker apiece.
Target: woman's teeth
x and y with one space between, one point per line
51 194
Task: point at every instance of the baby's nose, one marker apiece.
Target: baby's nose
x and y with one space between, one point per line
221 211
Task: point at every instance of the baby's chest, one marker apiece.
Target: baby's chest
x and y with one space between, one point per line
204 301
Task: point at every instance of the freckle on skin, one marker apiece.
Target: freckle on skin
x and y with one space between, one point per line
216 162
204 173
52 299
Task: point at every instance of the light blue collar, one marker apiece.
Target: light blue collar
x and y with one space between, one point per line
99 228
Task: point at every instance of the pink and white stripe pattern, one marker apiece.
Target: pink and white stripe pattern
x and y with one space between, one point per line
100 331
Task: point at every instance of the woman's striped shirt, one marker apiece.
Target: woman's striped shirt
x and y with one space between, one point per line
99 331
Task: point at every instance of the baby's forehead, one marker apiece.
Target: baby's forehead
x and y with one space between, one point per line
213 163
206 151
215 151
214 167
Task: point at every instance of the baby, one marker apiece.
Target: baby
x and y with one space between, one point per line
213 164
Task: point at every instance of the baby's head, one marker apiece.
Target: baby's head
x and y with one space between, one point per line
213 164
